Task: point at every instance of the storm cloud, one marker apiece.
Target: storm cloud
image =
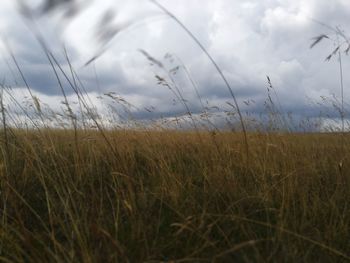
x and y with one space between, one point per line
249 40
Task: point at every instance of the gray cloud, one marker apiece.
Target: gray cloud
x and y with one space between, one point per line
248 39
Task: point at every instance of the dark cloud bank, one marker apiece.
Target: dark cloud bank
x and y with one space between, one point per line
248 39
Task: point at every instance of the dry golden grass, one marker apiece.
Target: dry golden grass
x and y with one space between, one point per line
77 195
175 196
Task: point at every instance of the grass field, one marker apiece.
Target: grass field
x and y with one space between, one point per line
81 183
148 196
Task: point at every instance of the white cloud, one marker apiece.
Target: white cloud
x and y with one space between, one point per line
248 39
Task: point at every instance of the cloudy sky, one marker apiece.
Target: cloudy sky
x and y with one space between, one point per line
249 39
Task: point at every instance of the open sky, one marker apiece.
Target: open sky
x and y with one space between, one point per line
249 39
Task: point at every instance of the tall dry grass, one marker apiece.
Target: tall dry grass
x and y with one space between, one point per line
74 189
174 196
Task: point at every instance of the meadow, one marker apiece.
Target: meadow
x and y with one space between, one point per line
77 187
174 196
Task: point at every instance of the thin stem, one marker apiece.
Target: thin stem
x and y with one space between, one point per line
341 88
214 64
